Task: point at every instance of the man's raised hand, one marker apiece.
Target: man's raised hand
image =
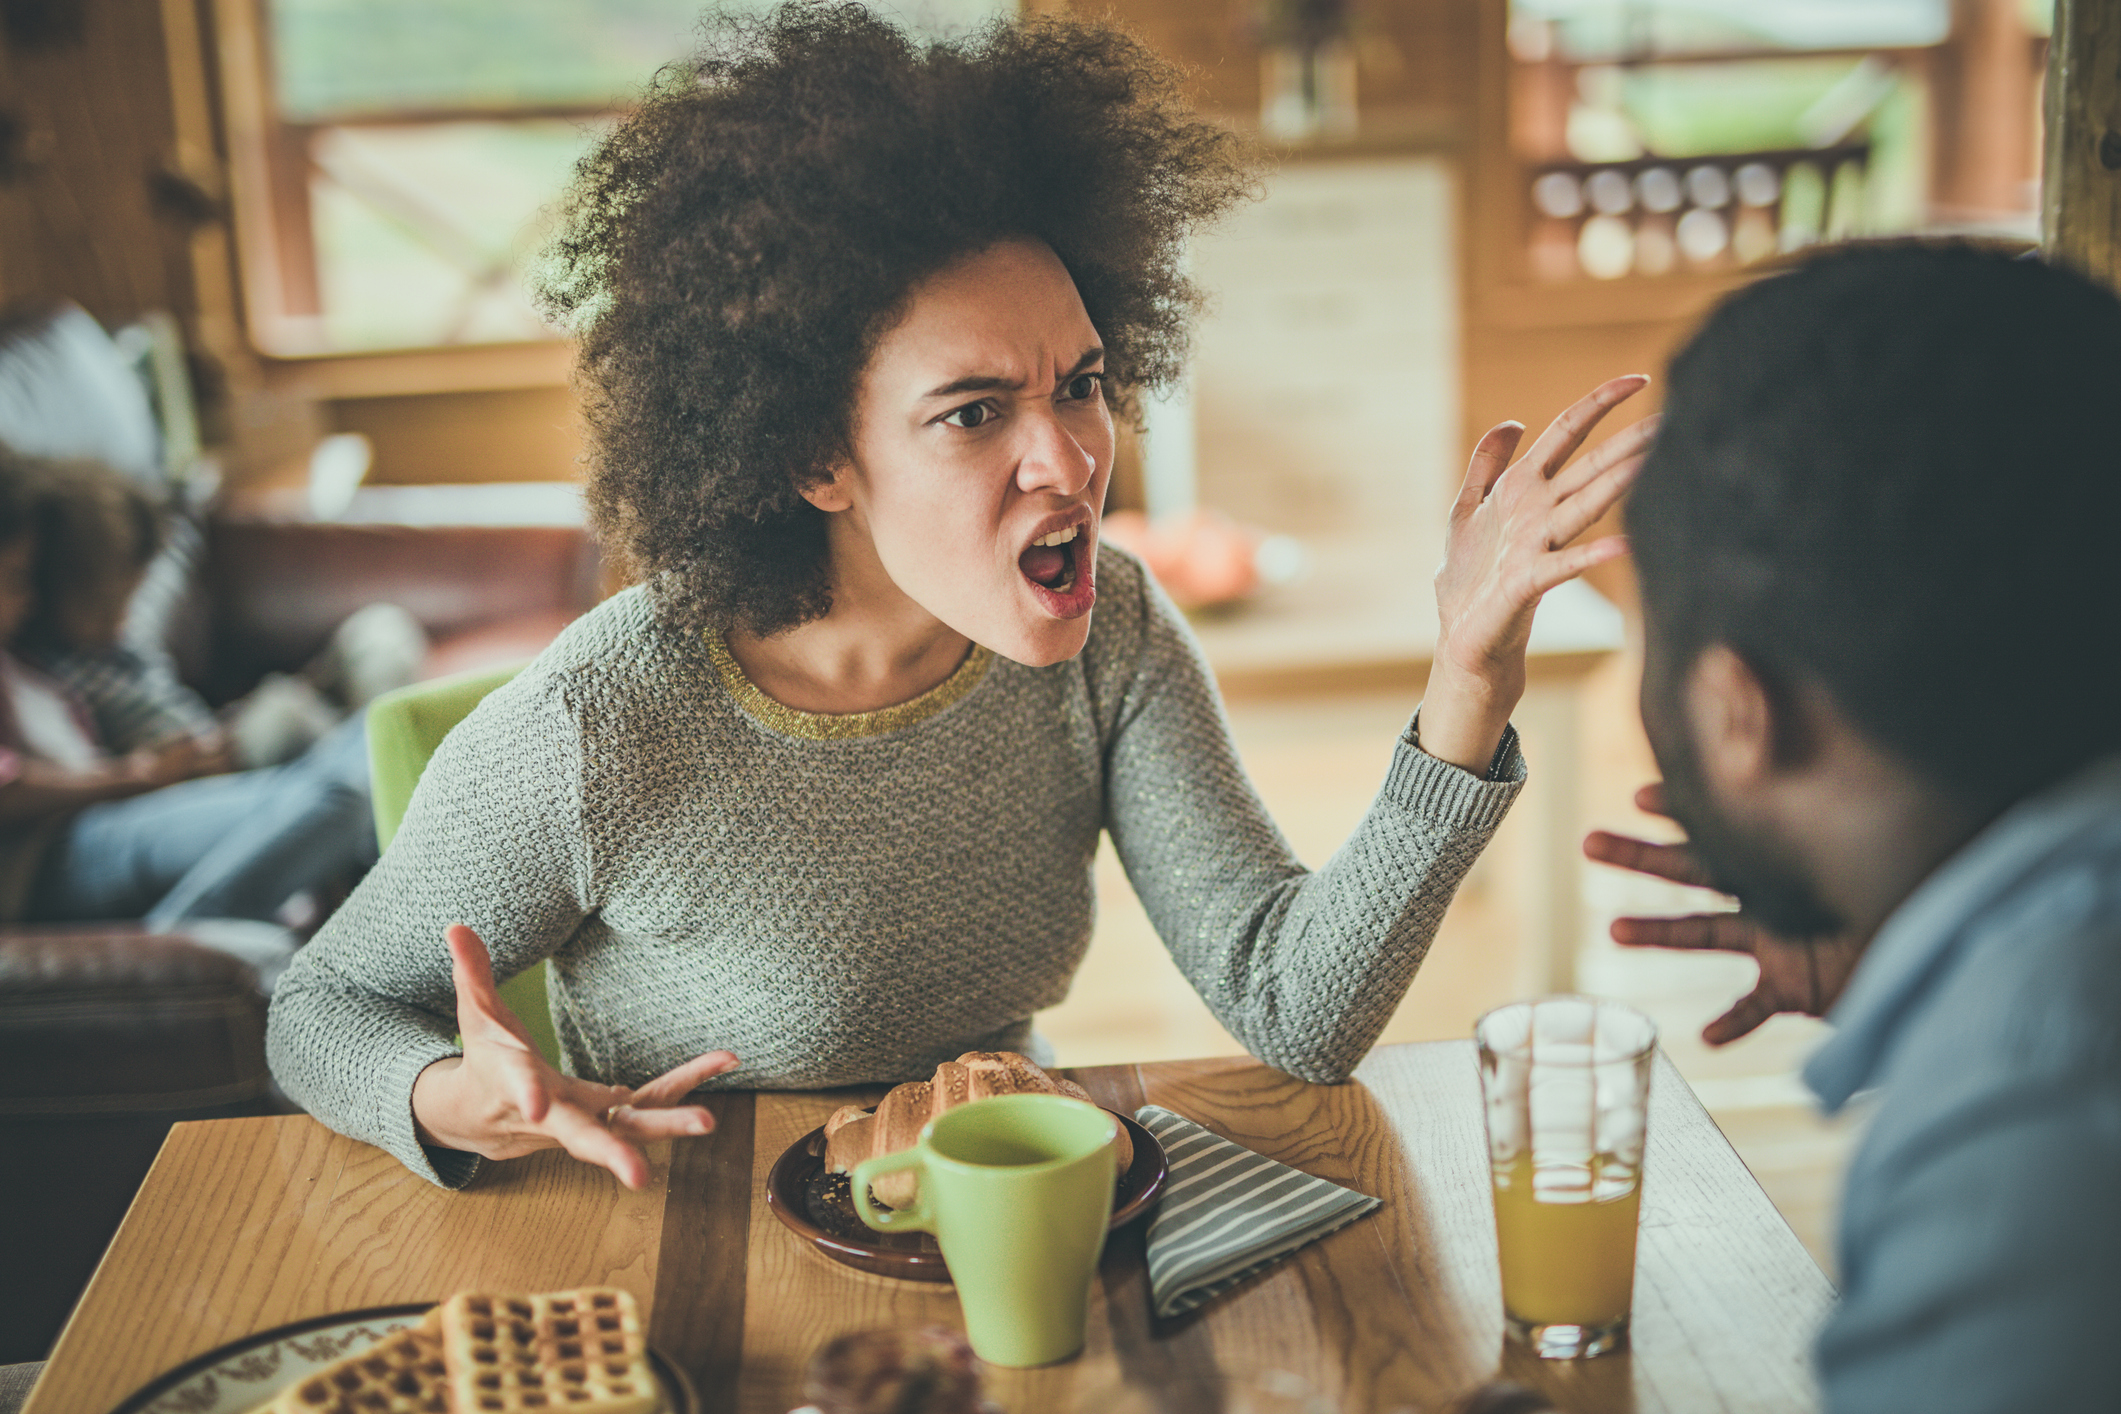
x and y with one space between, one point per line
501 1099
1799 975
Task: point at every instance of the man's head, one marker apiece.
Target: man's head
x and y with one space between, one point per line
1881 510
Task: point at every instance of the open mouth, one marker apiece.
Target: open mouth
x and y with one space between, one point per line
1057 566
1049 561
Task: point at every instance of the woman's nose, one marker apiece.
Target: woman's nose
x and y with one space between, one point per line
1052 460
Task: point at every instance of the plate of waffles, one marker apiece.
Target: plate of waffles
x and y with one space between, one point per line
818 1206
580 1351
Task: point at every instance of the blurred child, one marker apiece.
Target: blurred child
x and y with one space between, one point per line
164 833
125 675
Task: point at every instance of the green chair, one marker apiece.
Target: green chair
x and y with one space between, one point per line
404 728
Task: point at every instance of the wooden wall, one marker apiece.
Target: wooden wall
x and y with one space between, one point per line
111 180
1415 57
1434 79
2081 215
499 434
92 179
113 194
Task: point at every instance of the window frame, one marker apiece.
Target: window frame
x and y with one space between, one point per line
269 169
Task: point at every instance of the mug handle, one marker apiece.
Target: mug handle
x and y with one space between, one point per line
913 1219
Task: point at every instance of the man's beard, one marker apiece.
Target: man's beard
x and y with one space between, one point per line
1769 885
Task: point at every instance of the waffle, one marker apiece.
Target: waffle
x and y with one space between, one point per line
580 1351
399 1374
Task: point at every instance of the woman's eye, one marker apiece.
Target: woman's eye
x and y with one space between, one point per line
969 416
1084 386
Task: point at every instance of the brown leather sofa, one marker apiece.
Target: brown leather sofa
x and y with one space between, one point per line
107 1037
275 590
108 1034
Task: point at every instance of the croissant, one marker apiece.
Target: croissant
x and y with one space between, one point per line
854 1134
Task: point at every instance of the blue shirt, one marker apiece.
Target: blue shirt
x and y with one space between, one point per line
1980 1240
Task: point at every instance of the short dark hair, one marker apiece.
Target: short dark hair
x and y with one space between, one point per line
735 249
94 525
17 474
1894 473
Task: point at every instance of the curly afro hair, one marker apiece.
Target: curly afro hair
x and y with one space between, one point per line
734 251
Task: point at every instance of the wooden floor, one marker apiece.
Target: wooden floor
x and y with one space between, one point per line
1318 763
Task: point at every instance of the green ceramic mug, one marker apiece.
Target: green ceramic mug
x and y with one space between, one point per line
1018 1191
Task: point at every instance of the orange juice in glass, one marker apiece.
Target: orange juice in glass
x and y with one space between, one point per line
1566 1081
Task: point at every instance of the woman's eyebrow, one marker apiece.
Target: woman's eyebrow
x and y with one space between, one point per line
989 382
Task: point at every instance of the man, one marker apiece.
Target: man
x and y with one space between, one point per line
1876 546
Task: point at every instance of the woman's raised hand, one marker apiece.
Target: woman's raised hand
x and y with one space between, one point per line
1509 543
1803 975
501 1099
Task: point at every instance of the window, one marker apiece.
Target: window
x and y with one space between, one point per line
1660 137
397 160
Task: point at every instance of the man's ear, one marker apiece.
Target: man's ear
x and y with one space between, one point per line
833 494
1732 717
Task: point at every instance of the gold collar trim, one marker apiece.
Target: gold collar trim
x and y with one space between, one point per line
829 726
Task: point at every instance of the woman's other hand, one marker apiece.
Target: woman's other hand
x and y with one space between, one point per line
501 1099
1508 544
1804 975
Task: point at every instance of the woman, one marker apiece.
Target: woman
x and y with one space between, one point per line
825 791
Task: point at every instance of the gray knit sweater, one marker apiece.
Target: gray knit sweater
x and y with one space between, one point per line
844 900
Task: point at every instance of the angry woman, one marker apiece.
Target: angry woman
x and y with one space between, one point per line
823 791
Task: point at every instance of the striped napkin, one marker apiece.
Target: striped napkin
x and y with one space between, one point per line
1227 1212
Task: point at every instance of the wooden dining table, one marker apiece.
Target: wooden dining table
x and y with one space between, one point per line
247 1224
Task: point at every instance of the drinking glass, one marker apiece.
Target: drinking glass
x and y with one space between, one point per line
1566 1082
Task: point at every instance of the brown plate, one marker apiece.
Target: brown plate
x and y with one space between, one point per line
819 1207
239 1376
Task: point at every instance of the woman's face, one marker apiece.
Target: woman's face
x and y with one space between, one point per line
980 431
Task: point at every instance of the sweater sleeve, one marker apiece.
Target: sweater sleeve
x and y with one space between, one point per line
492 838
1303 967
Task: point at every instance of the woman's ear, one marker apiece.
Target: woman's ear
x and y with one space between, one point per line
833 494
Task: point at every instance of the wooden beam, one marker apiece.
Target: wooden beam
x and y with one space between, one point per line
2080 217
1982 85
